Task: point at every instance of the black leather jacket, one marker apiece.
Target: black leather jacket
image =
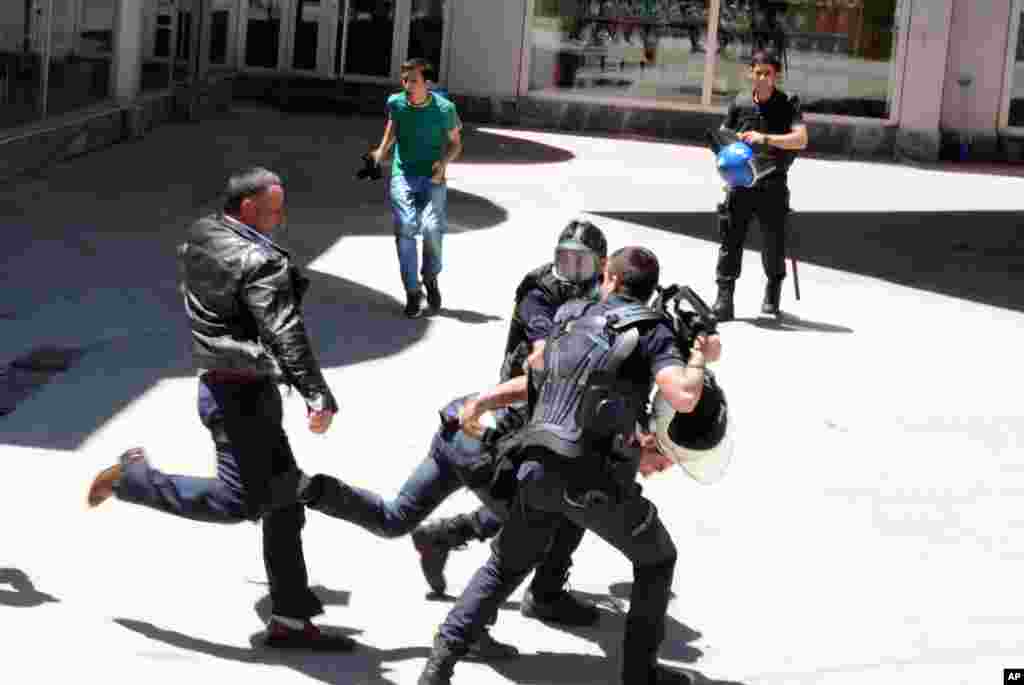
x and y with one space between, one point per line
243 301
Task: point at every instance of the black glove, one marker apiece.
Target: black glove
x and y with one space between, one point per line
370 170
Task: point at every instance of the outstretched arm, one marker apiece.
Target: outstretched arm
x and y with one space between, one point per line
503 395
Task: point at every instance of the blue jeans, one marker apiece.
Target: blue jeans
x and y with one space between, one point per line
437 477
418 206
434 480
244 420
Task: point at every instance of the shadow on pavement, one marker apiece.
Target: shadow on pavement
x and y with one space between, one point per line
90 259
582 669
24 594
481 147
791 322
364 666
487 147
977 256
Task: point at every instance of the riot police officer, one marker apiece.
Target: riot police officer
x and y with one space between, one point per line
578 457
579 260
771 122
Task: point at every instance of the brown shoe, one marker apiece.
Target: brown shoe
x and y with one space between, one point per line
102 487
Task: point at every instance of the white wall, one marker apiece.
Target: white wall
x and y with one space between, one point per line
486 47
128 36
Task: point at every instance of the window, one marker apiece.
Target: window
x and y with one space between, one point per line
56 56
81 54
838 55
22 45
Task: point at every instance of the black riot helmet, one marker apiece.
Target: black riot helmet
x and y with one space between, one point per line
581 247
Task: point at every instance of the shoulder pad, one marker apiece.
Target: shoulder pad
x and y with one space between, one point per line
541 277
630 315
572 310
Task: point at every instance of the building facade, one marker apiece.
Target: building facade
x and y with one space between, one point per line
917 78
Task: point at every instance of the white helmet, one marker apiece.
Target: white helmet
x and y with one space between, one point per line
699 441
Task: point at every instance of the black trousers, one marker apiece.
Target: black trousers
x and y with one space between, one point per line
630 523
769 202
244 420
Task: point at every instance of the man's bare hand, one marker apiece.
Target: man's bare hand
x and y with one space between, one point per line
440 170
651 460
752 138
469 419
377 155
320 421
709 346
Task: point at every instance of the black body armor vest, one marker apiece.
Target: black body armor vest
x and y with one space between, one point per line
581 402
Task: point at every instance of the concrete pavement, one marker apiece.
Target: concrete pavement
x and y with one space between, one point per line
869 528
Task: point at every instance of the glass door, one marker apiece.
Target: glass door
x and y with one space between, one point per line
312 26
428 20
261 24
184 40
220 35
161 39
366 41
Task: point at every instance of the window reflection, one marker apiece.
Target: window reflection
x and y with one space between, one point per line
838 56
21 56
81 54
620 48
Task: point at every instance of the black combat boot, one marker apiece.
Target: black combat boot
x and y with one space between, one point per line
563 607
413 299
723 303
666 675
435 540
440 665
433 295
486 648
772 293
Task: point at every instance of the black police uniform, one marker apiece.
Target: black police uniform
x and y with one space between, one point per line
590 482
537 298
769 199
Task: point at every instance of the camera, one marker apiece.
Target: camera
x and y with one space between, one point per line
371 170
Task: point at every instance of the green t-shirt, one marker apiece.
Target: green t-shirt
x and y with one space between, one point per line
420 132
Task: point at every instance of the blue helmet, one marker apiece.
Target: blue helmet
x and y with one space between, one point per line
735 164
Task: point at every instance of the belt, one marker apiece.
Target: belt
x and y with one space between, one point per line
233 376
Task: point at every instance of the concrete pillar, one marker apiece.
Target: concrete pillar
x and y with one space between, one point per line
128 37
924 78
976 68
486 47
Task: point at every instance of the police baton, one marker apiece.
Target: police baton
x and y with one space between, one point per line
792 257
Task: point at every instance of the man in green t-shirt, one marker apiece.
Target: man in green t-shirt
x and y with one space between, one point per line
425 130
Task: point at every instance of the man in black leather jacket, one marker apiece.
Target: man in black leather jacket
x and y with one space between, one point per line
243 296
